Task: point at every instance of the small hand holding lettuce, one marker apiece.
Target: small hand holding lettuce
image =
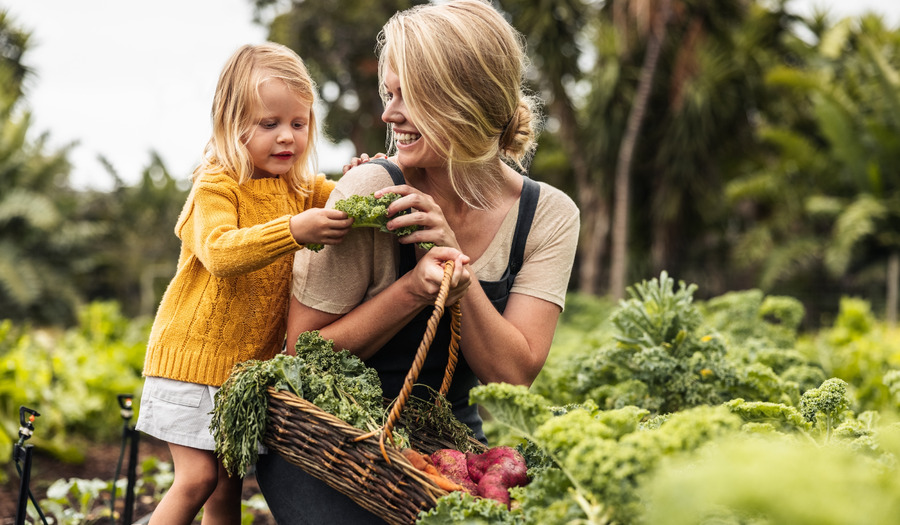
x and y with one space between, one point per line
317 227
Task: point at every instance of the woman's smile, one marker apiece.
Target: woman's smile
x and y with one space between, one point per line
406 139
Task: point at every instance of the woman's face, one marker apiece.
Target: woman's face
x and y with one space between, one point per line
412 148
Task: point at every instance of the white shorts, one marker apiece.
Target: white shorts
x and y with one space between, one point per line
177 412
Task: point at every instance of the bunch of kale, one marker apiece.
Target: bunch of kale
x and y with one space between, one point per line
335 381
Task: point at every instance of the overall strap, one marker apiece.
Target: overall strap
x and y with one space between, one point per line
394 170
527 206
407 251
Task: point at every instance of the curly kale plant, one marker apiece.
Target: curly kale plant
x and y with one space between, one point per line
660 361
369 212
829 401
600 458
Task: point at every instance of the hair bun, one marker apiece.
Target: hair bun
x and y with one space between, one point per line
517 141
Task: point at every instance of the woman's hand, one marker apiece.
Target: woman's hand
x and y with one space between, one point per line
362 159
424 212
425 279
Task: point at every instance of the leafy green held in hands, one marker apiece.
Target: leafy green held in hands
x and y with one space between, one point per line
369 212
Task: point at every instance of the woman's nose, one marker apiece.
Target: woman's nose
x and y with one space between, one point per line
390 113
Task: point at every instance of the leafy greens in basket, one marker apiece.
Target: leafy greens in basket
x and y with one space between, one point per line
336 382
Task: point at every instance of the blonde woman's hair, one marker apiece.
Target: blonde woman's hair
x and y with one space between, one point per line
461 67
234 107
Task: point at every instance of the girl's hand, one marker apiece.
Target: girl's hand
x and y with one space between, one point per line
425 279
424 212
320 226
362 159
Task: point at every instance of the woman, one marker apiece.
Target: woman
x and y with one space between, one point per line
451 79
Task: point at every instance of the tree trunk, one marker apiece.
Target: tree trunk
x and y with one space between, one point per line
619 262
591 202
592 242
893 283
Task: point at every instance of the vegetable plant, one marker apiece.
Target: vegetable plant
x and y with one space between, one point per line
370 212
335 381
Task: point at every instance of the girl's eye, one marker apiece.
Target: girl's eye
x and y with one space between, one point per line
267 124
299 125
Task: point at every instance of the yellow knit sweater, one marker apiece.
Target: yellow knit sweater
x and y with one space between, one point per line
228 300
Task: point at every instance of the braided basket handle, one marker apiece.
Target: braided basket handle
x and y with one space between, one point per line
419 360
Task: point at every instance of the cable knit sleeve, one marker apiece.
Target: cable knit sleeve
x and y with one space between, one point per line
321 190
210 226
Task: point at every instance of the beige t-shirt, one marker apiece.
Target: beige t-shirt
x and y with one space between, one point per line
340 277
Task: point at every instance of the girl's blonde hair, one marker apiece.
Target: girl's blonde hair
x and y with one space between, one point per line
461 67
234 106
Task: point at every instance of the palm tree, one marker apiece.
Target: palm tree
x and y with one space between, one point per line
653 18
40 246
841 160
555 31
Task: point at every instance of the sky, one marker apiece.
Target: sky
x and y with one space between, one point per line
121 78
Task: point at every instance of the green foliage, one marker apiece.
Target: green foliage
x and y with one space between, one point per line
762 416
336 381
765 479
658 360
369 212
859 350
583 326
137 255
71 378
463 508
619 463
77 501
750 317
665 353
599 458
513 406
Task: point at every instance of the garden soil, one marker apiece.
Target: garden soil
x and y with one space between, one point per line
100 463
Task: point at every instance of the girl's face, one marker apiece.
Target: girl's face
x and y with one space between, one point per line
281 133
412 148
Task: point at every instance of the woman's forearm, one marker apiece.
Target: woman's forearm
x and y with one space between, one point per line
369 326
509 348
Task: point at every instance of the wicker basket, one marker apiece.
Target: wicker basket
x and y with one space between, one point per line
358 464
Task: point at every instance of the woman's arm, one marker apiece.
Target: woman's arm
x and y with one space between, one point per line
370 325
510 348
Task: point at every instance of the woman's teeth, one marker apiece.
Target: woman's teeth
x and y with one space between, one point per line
407 138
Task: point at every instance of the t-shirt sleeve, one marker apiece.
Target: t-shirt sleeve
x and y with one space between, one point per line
550 249
341 276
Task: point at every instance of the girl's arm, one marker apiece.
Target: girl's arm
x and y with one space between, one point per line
209 225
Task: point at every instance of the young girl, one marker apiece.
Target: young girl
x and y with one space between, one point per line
254 202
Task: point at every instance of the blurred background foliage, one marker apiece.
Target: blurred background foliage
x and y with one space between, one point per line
728 142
